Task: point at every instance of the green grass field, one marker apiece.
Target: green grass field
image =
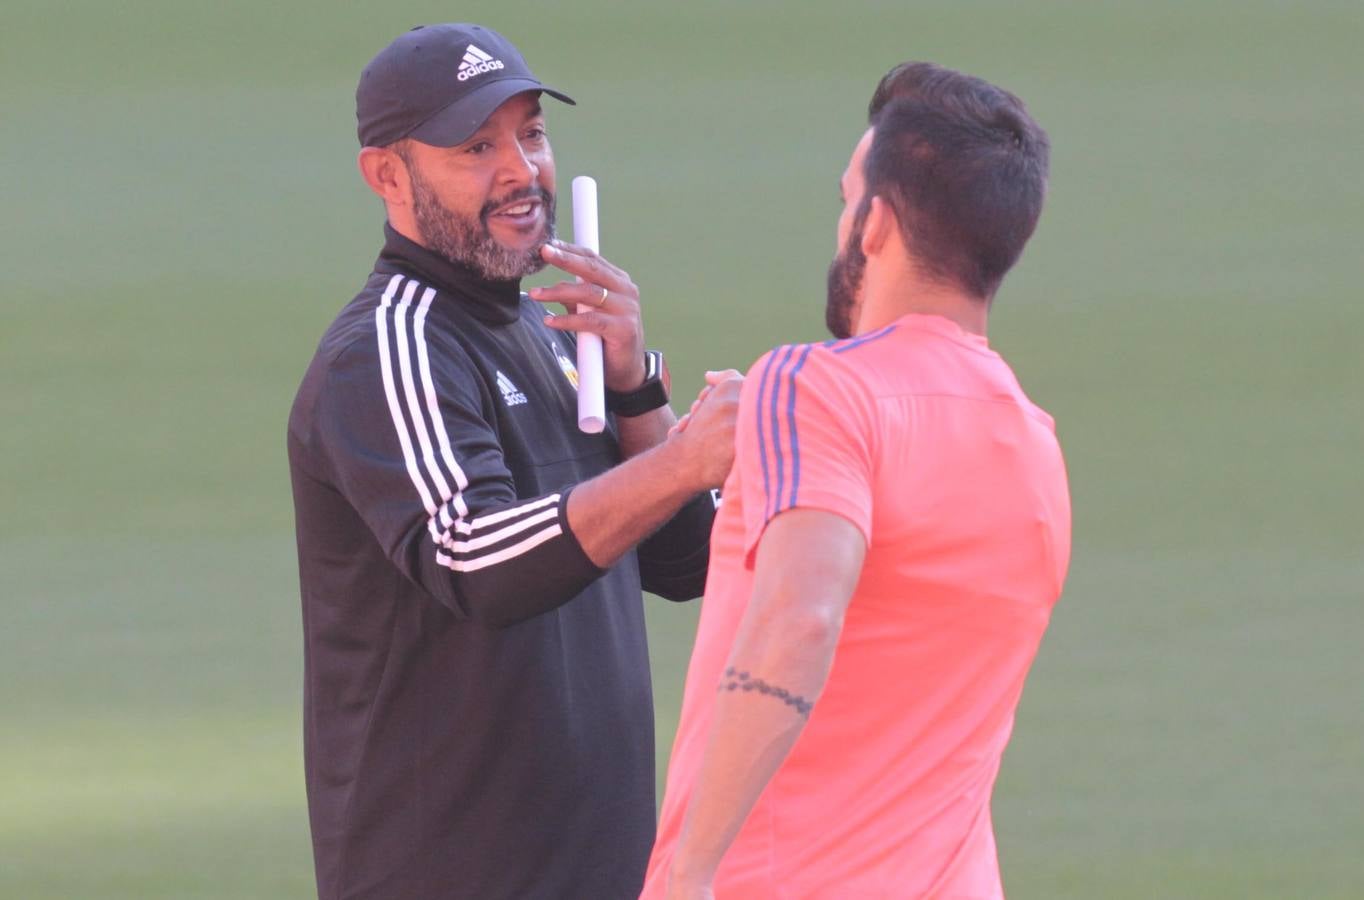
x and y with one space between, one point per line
182 218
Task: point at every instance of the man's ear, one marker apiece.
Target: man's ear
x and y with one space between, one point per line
386 174
881 226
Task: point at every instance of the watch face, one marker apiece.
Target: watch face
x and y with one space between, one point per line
665 376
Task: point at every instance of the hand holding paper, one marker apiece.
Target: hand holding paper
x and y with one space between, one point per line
591 392
603 309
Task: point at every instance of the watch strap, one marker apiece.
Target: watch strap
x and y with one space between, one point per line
649 396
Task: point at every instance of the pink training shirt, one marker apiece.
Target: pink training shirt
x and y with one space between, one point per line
920 436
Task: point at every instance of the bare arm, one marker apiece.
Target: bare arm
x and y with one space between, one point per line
808 565
616 510
639 433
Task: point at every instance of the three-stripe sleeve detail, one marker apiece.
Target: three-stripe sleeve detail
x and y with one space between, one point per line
391 394
778 438
791 419
463 544
764 381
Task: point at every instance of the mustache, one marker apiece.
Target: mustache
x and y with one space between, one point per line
533 192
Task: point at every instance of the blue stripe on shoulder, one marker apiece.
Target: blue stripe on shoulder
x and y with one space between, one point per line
762 444
791 415
774 497
853 343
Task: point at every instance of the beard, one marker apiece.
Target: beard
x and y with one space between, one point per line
845 284
466 241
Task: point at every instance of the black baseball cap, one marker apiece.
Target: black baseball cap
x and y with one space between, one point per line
438 84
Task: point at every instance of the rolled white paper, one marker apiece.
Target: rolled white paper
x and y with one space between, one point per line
591 386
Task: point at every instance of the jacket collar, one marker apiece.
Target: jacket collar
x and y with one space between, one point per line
494 302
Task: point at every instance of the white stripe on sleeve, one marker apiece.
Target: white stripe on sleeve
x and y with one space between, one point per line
520 519
391 393
433 407
504 515
480 562
410 391
493 537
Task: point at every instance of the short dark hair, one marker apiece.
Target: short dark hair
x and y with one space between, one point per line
919 81
963 166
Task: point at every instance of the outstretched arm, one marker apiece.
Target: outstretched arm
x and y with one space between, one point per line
414 454
615 511
808 564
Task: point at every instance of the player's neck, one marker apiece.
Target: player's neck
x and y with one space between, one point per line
887 299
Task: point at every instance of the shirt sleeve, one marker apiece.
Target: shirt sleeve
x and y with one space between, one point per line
674 560
405 430
805 440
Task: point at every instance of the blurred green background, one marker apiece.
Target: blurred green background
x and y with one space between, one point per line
182 217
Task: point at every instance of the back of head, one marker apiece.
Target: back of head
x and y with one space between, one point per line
919 81
963 166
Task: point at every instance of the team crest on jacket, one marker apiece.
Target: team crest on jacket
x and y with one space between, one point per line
570 371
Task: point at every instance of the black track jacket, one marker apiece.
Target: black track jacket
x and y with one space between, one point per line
478 718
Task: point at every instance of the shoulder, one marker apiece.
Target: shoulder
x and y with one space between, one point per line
385 334
826 356
815 368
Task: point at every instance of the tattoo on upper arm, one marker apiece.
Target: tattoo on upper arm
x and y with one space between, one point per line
735 680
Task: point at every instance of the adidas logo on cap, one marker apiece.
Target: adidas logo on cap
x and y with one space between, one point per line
476 62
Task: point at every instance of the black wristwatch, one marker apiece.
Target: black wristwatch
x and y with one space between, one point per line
650 395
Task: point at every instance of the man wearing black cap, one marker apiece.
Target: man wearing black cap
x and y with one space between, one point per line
478 717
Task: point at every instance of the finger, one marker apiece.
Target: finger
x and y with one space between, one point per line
587 254
714 378
589 268
572 293
592 322
570 247
680 426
